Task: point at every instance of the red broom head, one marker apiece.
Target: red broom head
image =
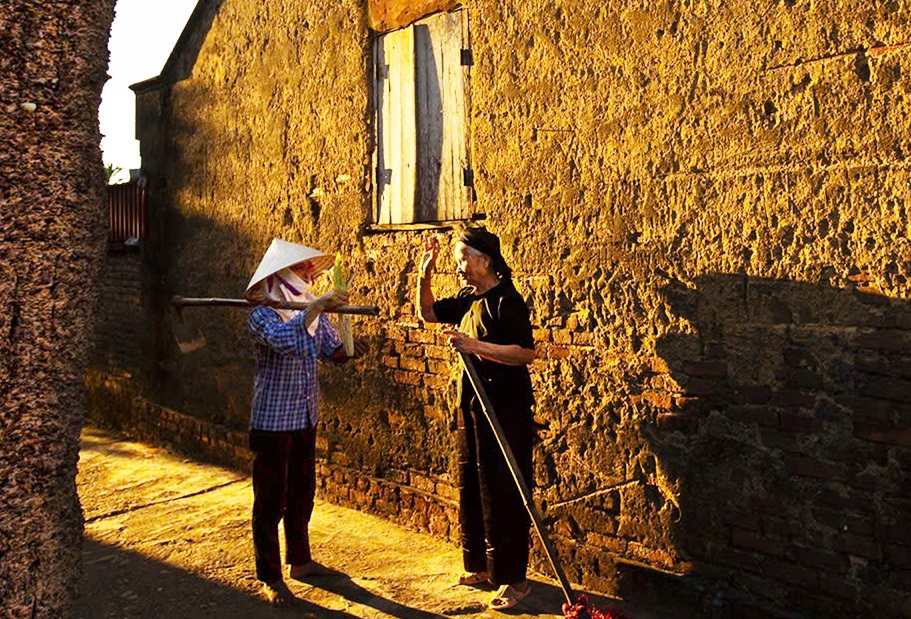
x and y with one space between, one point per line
581 610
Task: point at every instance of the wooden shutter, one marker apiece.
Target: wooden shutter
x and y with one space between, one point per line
396 143
441 117
422 110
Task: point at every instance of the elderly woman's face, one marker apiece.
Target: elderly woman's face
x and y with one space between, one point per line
303 271
471 266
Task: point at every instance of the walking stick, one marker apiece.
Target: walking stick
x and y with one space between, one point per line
517 475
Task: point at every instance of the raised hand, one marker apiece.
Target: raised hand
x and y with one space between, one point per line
429 259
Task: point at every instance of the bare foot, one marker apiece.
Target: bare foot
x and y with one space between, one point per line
310 570
277 593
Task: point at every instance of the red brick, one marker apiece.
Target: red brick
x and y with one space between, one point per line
886 388
803 466
839 586
858 546
653 556
435 381
883 339
659 399
819 558
759 394
893 533
844 522
768 505
899 556
437 352
421 336
697 386
803 379
607 542
742 520
676 422
777 439
422 483
793 398
751 540
407 378
658 365
790 573
795 422
558 352
708 369
729 556
869 409
761 415
584 338
413 364
889 436
391 361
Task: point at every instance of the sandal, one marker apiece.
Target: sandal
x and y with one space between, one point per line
508 596
473 578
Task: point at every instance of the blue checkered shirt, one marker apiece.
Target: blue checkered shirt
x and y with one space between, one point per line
285 388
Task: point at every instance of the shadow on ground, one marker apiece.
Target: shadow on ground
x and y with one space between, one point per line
119 583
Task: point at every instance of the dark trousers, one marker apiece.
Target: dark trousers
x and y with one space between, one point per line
284 486
495 523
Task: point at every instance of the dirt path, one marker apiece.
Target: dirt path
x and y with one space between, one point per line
167 537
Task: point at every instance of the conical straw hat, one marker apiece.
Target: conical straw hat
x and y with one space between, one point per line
282 254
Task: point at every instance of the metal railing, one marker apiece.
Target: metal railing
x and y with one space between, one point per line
127 212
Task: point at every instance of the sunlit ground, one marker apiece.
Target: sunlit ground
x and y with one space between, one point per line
168 537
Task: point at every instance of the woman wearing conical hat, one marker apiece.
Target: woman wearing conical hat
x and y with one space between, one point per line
284 412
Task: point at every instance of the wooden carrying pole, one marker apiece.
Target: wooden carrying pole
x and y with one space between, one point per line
517 475
181 302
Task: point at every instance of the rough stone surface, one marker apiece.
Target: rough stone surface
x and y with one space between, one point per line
53 57
705 205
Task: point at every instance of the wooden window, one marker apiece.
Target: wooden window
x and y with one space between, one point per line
421 160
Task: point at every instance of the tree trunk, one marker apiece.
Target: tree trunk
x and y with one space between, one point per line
53 58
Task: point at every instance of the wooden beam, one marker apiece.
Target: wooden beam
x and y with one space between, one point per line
388 15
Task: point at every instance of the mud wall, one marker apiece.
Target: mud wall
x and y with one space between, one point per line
705 207
53 58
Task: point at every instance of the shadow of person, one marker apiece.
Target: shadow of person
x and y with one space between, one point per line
784 424
343 585
119 582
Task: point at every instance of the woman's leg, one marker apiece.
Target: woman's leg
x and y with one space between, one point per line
300 496
270 464
471 517
506 521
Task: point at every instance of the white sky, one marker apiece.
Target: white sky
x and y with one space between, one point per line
142 36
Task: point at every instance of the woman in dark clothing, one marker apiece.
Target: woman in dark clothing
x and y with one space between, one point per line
494 326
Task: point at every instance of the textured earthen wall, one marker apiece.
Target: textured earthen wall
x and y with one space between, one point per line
53 58
705 206
717 179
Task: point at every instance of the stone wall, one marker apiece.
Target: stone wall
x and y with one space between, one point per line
53 57
120 321
705 206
